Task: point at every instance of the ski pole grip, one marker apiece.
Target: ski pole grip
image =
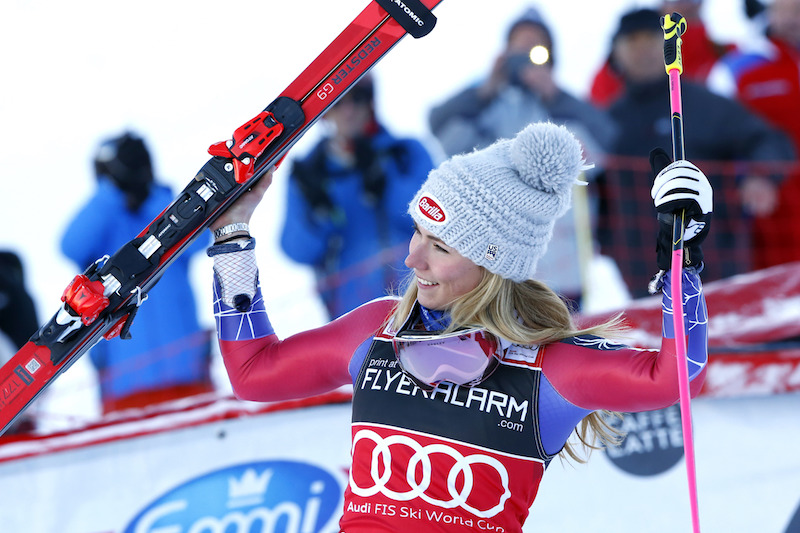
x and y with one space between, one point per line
674 26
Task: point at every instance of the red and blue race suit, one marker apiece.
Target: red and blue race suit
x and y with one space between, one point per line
456 458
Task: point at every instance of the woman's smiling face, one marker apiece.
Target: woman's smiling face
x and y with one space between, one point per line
443 275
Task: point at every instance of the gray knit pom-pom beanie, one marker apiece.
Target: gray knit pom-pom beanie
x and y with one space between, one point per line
497 206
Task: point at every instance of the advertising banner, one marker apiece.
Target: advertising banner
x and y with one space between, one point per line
230 467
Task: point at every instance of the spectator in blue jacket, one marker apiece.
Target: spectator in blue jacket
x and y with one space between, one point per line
347 201
168 356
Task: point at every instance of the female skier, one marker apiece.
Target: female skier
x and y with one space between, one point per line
466 386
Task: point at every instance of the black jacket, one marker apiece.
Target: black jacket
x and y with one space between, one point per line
721 137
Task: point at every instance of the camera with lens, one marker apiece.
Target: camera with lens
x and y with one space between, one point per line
516 63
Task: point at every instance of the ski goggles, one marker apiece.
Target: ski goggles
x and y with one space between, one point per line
465 356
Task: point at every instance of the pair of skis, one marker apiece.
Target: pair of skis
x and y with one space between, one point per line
102 302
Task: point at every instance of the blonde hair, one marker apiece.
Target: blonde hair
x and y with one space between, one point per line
526 313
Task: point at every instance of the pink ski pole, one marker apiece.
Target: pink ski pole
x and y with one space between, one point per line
674 26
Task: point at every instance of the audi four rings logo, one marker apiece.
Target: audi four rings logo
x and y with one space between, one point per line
422 455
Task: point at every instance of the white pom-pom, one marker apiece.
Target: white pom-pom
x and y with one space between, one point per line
548 157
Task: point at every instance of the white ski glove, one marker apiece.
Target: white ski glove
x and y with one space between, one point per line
680 186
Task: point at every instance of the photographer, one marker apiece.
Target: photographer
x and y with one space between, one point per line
168 355
346 202
521 89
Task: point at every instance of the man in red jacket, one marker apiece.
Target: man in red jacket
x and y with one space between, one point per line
764 74
700 53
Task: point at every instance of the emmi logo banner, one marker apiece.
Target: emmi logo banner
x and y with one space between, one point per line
268 497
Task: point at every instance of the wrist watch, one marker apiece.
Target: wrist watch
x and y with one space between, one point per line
231 228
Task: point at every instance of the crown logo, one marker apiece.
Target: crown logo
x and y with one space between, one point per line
249 489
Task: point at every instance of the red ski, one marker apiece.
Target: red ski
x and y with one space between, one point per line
102 302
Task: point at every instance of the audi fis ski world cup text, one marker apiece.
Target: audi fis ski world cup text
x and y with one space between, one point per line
411 513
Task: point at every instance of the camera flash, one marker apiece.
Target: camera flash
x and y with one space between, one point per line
539 55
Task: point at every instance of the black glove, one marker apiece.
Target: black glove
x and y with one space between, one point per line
680 186
312 179
368 162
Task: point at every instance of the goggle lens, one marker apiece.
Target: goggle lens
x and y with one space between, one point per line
463 357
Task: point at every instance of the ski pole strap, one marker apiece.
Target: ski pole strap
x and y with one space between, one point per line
674 26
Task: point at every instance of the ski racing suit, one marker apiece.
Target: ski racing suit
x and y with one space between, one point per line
457 458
